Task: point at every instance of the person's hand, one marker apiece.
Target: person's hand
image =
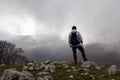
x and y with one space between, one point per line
70 45
81 44
81 41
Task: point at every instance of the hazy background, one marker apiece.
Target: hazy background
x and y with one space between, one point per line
41 27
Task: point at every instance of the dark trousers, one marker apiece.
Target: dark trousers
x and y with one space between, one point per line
81 49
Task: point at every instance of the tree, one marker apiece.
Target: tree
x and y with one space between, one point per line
9 54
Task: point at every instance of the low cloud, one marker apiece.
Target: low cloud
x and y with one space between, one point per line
102 54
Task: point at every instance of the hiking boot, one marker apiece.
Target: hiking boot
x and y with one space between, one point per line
86 59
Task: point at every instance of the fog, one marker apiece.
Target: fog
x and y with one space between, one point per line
48 23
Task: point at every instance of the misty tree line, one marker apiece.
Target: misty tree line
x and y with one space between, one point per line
9 54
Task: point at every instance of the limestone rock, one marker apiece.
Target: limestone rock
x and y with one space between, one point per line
30 64
25 75
12 74
88 64
42 73
48 78
50 68
31 68
71 76
45 78
113 70
25 68
2 65
47 62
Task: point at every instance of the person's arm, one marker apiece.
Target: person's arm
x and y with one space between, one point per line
69 39
79 37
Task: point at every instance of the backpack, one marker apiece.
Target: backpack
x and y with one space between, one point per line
74 40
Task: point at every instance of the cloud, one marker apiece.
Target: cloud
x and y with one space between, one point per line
98 21
100 53
50 21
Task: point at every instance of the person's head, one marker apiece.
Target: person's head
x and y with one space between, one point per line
74 27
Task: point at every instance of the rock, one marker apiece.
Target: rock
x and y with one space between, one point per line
48 78
97 67
34 61
55 62
12 74
30 64
39 78
36 65
37 68
25 68
42 73
65 66
63 62
88 64
2 65
25 75
68 70
45 78
102 75
31 68
86 73
71 76
47 67
50 68
74 69
42 65
113 70
86 70
92 76
47 62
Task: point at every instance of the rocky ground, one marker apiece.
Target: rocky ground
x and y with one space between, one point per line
59 71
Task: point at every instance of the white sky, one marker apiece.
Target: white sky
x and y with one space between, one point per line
97 20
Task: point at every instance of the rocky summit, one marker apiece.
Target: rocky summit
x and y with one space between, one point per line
64 70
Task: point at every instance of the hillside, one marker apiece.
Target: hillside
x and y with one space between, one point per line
59 71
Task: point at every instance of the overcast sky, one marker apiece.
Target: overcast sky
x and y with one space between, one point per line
97 20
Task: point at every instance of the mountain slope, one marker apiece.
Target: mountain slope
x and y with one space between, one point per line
65 70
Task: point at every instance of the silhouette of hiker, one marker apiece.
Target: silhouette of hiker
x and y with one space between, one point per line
76 42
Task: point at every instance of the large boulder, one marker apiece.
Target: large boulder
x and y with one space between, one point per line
12 74
25 75
112 70
88 64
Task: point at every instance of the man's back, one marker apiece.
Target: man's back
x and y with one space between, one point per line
78 36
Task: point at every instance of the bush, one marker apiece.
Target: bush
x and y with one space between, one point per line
9 54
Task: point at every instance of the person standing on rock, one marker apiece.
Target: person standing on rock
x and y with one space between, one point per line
76 42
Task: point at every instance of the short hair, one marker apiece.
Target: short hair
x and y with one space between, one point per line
74 27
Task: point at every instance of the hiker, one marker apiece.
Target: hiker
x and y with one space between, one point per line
76 42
